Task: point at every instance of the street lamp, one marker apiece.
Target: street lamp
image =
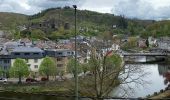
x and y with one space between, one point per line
76 76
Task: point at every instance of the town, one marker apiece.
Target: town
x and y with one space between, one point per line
70 53
62 51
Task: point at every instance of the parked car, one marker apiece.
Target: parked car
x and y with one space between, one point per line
31 80
44 79
3 80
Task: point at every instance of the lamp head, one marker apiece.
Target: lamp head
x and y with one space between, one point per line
75 6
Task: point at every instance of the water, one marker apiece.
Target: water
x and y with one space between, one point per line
153 81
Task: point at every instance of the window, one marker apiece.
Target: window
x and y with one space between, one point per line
68 52
59 53
35 53
6 61
26 54
72 53
17 54
59 59
36 66
35 60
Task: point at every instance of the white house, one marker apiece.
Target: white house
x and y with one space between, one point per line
32 55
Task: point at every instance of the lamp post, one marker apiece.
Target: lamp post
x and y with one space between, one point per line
76 76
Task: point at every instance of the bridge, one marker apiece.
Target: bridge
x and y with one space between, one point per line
145 54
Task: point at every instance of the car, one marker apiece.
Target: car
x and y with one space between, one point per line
44 79
3 80
31 80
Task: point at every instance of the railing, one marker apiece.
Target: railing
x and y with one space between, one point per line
145 54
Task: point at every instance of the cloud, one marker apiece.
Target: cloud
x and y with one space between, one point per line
17 6
30 7
142 9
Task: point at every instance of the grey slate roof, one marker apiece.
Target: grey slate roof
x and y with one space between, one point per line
27 49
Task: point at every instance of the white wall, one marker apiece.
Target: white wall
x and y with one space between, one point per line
31 63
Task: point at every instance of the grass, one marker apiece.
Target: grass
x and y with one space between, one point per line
63 86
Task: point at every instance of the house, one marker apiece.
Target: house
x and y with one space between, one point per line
32 55
142 43
115 47
2 34
61 57
5 63
79 39
152 42
164 43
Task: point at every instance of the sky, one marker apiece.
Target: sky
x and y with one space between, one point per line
141 9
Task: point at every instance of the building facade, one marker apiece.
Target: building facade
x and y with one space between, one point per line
61 57
32 55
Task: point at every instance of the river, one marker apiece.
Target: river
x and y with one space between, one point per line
154 81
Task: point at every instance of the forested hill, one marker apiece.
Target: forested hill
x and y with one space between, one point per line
57 23
9 21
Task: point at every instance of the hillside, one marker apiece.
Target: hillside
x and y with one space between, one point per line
62 23
84 18
160 28
88 22
10 21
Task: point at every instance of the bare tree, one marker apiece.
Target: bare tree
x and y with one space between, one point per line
108 72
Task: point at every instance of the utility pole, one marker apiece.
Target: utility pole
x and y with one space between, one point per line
76 76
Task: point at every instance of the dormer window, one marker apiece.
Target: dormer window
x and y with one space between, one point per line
26 54
59 53
35 53
17 54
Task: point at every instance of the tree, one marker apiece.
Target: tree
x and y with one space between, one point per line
19 69
132 43
48 67
85 68
61 74
122 22
24 34
37 34
107 72
71 67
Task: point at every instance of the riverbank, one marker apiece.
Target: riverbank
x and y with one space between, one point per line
165 94
53 90
11 95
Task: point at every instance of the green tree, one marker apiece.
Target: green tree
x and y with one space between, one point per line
19 69
24 34
105 71
71 67
132 43
37 34
48 67
85 68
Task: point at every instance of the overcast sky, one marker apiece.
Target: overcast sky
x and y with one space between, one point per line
143 9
